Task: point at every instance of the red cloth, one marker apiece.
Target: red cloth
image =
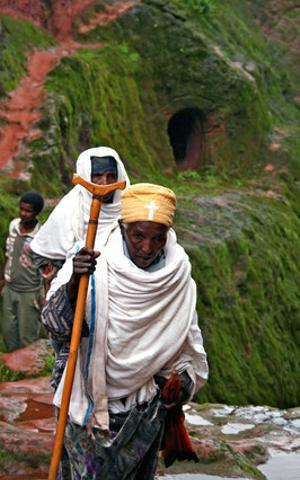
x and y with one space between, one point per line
176 442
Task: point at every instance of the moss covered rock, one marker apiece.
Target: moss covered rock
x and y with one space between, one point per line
244 250
201 61
17 38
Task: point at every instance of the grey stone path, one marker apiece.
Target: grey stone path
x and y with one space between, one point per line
282 466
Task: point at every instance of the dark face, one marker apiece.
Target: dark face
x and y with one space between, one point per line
27 213
144 241
105 178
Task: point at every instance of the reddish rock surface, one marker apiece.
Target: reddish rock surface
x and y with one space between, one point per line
56 15
32 387
112 13
26 9
22 109
30 359
27 428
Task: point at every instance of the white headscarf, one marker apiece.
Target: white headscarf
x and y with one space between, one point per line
68 222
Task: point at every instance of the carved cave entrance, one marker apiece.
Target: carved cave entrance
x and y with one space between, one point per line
187 138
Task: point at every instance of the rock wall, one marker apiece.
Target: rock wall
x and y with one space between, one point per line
206 65
56 16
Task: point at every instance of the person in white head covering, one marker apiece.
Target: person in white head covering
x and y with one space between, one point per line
67 224
141 352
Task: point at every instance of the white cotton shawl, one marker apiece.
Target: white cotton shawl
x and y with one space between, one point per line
141 324
68 222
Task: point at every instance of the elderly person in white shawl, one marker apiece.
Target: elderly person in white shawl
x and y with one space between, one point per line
140 329
67 224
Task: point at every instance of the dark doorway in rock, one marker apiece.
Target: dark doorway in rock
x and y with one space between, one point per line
186 130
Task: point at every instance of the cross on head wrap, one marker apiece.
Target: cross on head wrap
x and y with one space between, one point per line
34 199
148 202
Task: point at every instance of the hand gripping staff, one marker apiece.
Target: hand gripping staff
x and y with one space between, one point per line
98 192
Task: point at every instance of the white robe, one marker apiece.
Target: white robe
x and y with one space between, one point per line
141 324
67 224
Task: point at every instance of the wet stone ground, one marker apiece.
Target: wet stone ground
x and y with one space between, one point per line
231 442
247 442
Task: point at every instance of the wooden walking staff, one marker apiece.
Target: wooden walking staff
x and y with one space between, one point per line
98 192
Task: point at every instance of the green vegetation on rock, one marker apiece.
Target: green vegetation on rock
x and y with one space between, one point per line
17 38
9 375
248 302
238 214
8 211
10 458
95 100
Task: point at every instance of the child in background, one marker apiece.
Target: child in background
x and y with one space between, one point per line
22 299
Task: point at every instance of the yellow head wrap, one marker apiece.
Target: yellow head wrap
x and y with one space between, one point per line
145 202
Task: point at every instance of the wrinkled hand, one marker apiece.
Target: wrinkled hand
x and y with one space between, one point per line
174 402
176 390
84 262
